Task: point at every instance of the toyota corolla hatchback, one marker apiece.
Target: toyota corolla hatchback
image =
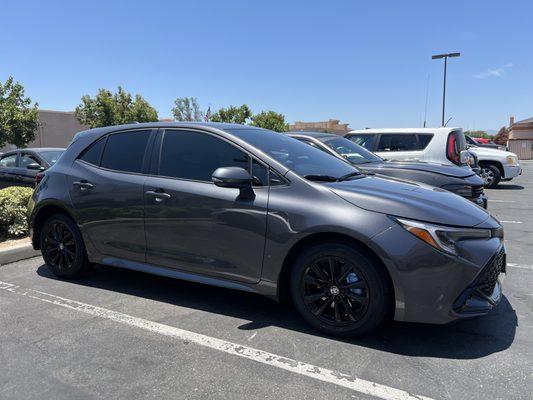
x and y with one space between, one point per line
255 210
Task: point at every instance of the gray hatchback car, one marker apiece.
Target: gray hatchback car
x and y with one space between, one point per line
255 210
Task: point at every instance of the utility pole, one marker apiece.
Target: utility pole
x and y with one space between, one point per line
445 56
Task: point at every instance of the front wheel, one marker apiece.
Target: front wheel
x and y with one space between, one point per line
491 176
62 247
339 289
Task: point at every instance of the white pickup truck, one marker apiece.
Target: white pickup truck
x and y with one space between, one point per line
440 145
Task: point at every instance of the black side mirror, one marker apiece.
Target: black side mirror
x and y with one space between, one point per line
235 178
34 167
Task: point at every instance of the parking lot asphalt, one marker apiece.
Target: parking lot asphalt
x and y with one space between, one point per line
121 334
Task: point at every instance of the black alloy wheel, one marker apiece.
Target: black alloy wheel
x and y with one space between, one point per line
340 289
62 247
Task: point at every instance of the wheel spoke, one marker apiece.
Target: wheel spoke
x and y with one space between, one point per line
321 275
348 310
331 265
311 298
312 280
323 307
358 298
354 285
337 311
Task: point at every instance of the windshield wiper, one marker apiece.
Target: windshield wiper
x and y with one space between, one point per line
348 176
322 178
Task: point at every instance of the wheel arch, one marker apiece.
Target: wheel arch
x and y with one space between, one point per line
40 215
316 238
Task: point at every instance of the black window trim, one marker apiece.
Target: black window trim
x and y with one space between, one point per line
158 146
145 170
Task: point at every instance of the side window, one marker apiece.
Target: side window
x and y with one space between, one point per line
8 161
424 139
27 159
367 141
259 174
125 151
195 156
397 142
93 153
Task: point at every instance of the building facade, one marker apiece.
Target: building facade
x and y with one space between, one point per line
330 126
521 138
56 129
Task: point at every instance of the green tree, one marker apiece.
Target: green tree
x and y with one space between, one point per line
478 134
187 109
502 136
18 118
236 115
108 108
270 120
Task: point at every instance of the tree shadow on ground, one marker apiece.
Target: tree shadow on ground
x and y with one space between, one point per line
466 339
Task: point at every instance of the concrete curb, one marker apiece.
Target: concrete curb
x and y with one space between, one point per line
17 253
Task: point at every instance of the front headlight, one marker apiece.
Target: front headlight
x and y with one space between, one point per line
444 238
512 160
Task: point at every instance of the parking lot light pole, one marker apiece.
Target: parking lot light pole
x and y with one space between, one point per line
445 56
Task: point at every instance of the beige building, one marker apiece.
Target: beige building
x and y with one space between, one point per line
56 129
330 126
521 138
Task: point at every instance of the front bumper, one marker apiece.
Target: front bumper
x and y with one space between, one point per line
481 200
511 171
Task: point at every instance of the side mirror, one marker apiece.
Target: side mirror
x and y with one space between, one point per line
235 178
34 167
464 156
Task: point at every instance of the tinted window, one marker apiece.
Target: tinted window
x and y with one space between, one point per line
350 151
125 151
397 142
27 159
8 161
295 155
367 141
194 155
259 174
93 154
424 139
51 156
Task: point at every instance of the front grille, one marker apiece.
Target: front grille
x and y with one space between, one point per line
489 276
477 191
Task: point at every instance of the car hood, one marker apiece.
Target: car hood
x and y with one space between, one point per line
409 200
486 151
441 169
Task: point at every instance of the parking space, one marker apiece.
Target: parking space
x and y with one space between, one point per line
122 334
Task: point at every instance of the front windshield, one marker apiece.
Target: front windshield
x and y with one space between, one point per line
351 151
51 156
295 155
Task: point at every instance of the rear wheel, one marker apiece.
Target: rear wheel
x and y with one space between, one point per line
62 247
339 289
491 175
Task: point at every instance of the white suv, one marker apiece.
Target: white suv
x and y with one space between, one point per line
440 145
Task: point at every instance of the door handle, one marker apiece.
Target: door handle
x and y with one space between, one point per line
159 196
83 184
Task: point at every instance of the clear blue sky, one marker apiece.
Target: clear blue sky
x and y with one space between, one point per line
366 63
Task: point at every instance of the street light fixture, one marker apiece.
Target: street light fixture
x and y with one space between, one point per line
445 56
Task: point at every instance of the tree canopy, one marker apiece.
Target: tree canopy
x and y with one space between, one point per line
187 109
270 120
19 120
108 108
232 114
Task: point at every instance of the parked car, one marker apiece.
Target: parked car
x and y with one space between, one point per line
461 181
483 143
496 164
254 210
20 167
445 145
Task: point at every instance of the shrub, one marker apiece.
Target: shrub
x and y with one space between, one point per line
13 205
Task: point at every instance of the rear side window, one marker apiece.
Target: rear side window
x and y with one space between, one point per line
93 154
8 161
397 142
195 156
424 139
367 141
125 151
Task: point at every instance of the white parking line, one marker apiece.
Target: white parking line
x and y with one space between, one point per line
511 222
501 201
312 371
520 266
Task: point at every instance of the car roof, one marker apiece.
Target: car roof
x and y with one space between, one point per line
315 135
405 130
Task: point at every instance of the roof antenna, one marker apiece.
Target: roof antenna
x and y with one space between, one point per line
447 121
426 106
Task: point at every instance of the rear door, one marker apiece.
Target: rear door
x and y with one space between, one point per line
8 164
106 185
195 226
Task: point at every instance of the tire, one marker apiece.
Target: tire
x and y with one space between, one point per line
351 311
62 247
491 175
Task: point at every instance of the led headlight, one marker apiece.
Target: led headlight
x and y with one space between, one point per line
442 237
512 160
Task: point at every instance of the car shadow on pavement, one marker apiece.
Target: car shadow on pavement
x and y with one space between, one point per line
467 339
510 186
